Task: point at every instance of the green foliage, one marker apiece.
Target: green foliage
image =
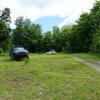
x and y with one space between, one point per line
5 28
85 34
65 35
5 17
3 31
81 34
1 50
95 23
27 35
57 39
48 41
95 47
95 16
19 33
81 37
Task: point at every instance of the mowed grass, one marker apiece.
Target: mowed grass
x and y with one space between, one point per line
47 77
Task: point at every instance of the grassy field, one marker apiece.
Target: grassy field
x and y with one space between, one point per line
48 77
86 56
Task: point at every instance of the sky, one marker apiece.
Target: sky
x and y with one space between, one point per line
47 13
48 22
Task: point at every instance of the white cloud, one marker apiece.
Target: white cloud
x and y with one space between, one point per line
76 9
34 9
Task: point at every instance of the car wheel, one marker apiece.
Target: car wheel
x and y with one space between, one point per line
27 56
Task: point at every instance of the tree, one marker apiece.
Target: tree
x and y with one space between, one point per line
5 28
95 47
57 39
35 38
84 32
28 35
95 24
5 16
48 41
65 34
21 31
95 16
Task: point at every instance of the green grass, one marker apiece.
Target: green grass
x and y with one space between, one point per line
87 56
47 77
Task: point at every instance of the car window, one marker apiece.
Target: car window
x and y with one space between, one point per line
18 49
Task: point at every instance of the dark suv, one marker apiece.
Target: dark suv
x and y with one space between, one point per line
18 53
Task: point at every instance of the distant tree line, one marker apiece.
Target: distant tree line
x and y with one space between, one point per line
84 36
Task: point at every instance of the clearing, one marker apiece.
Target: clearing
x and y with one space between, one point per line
49 77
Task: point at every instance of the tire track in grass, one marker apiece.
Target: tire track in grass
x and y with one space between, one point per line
94 66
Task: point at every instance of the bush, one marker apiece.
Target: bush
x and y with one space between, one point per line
1 50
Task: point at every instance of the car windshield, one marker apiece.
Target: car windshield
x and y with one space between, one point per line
18 49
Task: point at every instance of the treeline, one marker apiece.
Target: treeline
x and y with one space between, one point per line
84 36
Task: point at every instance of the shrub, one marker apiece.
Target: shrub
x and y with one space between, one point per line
1 50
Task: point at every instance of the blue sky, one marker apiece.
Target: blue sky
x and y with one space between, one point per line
59 12
48 22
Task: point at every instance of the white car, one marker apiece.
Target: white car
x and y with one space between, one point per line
51 52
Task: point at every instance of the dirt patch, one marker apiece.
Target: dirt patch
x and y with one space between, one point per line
95 61
95 65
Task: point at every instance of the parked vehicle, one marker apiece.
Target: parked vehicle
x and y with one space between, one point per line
51 52
18 52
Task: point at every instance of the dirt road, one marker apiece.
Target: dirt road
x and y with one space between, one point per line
91 63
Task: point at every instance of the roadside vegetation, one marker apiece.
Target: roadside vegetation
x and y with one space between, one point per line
48 77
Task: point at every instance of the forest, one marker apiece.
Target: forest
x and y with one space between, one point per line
84 36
